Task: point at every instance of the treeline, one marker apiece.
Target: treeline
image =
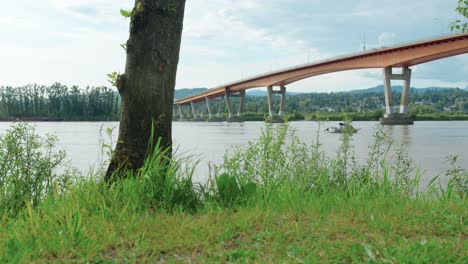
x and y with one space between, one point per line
59 101
430 103
103 104
438 100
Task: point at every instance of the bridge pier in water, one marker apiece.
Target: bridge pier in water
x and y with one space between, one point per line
228 95
273 118
211 117
401 118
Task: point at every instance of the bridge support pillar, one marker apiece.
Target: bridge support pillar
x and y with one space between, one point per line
405 92
181 114
231 118
212 118
401 118
228 102
194 113
241 103
175 117
282 100
208 107
219 111
273 118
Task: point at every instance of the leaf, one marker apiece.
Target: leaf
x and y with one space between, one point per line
228 188
249 189
125 13
139 7
124 46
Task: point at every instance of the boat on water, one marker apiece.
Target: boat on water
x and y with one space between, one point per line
342 128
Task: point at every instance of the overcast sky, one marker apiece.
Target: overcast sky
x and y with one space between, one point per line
78 41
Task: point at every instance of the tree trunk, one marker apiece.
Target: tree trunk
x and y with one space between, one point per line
147 86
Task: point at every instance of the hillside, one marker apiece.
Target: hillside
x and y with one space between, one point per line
186 92
399 88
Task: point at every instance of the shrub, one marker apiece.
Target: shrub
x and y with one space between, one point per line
279 164
457 178
29 168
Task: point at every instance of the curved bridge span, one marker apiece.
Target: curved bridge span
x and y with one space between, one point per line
401 56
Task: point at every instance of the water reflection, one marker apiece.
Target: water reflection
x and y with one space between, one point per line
399 135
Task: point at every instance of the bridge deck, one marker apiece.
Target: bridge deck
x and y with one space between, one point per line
405 55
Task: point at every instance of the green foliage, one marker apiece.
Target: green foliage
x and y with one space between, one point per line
421 109
355 105
103 104
129 14
126 13
460 24
28 168
164 185
267 172
440 116
60 101
377 151
229 193
277 199
355 116
160 183
113 78
345 156
458 178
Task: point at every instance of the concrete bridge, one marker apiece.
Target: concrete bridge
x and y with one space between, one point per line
400 56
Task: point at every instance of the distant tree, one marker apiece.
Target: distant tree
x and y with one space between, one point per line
58 101
147 86
462 23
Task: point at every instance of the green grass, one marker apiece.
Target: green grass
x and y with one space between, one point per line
276 200
306 229
442 117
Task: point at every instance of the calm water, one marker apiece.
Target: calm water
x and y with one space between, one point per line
428 143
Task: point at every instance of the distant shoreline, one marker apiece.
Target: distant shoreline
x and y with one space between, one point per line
260 117
30 119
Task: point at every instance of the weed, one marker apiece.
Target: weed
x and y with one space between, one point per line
458 177
29 168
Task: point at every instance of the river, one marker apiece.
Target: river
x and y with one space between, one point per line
428 143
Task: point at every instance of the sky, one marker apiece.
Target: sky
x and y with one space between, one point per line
77 42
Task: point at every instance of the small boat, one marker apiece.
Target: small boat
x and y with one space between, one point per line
343 127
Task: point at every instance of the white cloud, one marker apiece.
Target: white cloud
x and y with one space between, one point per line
81 62
18 22
386 39
340 81
92 11
77 33
77 41
220 21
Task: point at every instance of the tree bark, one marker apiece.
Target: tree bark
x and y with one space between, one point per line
147 86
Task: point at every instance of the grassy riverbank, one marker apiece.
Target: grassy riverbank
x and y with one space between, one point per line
330 228
276 200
